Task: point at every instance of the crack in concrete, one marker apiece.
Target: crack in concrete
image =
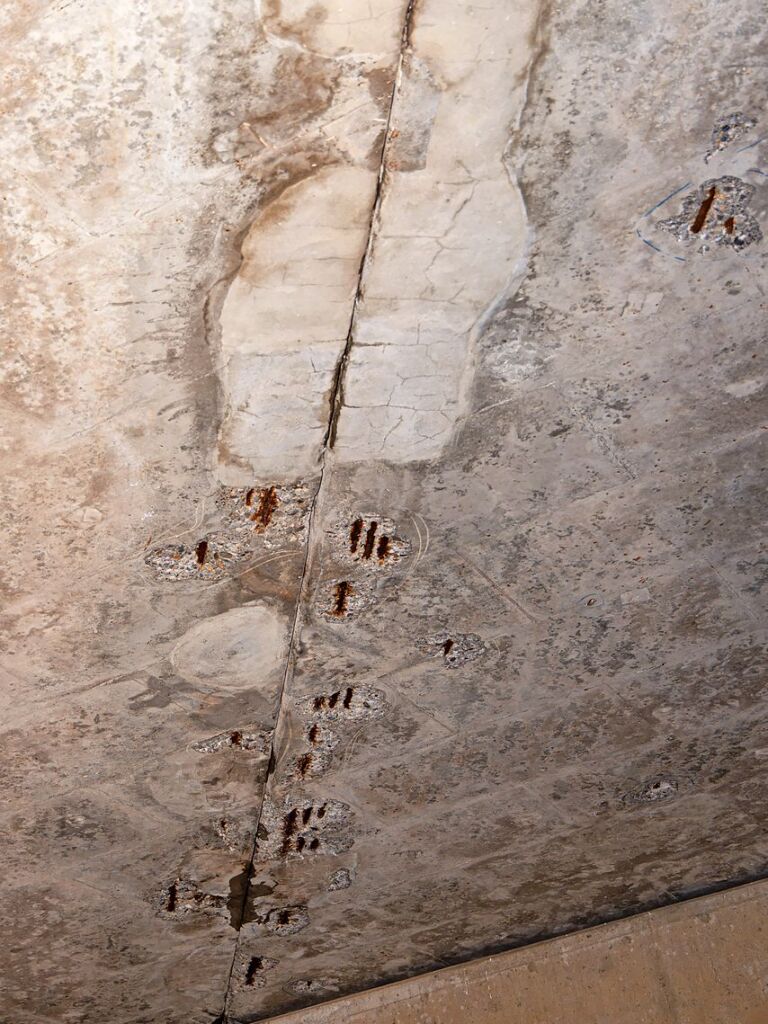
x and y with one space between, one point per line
335 406
337 389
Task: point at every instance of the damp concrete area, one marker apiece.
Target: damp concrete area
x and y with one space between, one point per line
383 438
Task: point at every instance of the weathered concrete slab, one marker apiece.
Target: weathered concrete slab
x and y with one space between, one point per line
383 451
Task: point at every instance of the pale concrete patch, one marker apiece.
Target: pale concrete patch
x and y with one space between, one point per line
239 649
285 321
451 234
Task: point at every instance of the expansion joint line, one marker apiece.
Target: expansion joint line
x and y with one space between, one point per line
335 406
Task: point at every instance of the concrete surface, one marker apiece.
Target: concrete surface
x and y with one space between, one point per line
383 441
701 962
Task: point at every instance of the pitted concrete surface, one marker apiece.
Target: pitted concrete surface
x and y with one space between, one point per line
383 438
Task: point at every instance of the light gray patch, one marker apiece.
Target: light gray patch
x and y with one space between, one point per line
454 648
511 347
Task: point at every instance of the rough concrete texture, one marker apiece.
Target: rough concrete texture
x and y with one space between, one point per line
699 963
702 962
383 408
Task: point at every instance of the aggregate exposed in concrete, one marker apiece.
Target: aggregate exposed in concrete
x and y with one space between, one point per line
383 434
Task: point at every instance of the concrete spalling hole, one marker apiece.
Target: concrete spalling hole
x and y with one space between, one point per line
347 703
340 879
286 920
727 129
373 541
454 649
304 828
254 968
206 560
235 739
264 515
183 897
716 215
660 787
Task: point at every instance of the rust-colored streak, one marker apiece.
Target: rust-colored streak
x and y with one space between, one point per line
201 552
370 540
333 700
382 549
344 591
304 764
290 825
354 535
249 496
348 697
314 735
268 502
170 906
447 648
254 966
729 225
703 213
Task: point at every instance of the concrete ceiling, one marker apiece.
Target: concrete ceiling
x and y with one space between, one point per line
383 431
